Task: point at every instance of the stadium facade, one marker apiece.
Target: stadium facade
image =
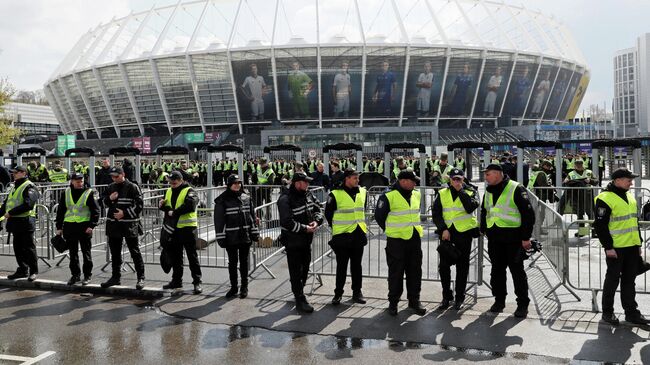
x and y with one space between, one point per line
247 65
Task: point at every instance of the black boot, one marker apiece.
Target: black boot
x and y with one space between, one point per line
302 305
392 308
232 292
417 307
521 311
17 275
610 318
358 298
337 299
243 293
498 306
114 280
444 304
172 285
74 279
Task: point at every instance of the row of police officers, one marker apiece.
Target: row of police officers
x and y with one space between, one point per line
506 219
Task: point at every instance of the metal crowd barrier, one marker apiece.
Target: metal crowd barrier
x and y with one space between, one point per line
374 260
42 235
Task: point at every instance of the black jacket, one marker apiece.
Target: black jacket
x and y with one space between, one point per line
129 170
103 176
358 237
130 202
30 198
603 213
234 219
297 209
189 205
320 179
336 179
470 203
510 235
74 228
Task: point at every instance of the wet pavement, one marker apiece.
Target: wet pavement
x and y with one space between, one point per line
98 330
128 327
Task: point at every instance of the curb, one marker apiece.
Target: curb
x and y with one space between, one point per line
118 290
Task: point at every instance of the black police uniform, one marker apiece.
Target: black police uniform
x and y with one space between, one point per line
236 229
462 240
183 238
297 209
505 249
404 257
75 233
348 247
22 229
128 228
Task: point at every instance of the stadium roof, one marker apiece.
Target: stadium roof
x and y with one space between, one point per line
218 25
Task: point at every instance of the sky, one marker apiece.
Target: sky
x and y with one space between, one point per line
35 35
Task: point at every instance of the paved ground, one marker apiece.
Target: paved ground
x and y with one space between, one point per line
93 328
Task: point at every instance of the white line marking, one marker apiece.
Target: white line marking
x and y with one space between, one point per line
27 360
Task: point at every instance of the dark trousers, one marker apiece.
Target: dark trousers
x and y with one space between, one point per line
298 259
508 256
622 269
25 252
75 242
404 257
115 245
464 244
176 253
352 253
238 253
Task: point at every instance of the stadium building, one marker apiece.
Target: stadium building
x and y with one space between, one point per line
319 71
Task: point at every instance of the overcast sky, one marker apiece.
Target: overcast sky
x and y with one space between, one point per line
35 35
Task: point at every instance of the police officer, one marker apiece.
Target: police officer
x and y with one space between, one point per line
58 174
300 217
618 231
18 210
453 215
345 213
507 219
398 214
76 217
124 202
236 228
180 204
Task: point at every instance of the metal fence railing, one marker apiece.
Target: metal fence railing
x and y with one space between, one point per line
374 263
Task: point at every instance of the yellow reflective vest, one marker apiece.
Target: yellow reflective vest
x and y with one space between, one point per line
403 216
349 213
623 222
504 213
185 220
454 214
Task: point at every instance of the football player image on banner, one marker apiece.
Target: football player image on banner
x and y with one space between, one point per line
254 91
459 92
300 86
297 83
493 86
521 88
341 91
341 83
559 89
385 90
540 94
424 83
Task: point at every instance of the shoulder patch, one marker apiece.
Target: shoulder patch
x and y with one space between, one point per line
380 204
601 211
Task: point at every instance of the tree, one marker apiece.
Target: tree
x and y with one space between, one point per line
8 133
